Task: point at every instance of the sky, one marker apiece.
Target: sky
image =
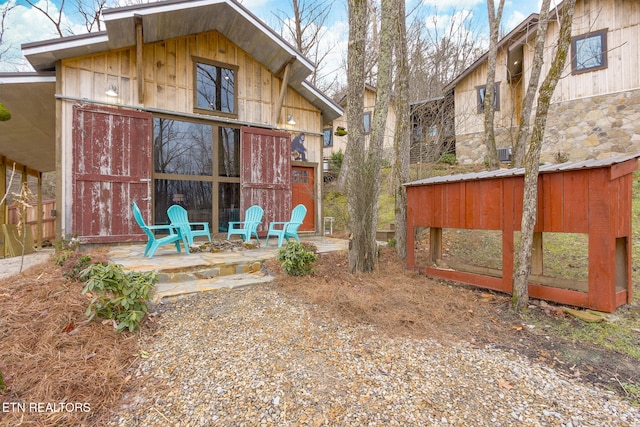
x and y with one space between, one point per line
25 24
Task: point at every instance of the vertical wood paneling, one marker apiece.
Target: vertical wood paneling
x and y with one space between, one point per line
266 173
111 168
576 201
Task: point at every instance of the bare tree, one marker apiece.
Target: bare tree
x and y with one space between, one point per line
489 93
402 140
532 158
354 158
90 10
307 29
534 80
4 13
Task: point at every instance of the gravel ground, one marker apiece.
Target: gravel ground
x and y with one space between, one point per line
252 357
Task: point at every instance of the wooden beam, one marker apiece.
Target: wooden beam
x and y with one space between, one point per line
283 91
139 58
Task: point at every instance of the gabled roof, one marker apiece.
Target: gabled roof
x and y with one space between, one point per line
516 37
176 18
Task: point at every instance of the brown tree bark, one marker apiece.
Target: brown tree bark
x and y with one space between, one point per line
534 80
402 141
489 109
532 159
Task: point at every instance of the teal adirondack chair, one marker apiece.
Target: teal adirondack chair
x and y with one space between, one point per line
179 218
252 219
289 229
154 242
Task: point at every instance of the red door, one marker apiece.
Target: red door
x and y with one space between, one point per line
303 192
265 177
111 168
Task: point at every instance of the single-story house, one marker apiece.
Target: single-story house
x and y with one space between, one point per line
189 102
594 110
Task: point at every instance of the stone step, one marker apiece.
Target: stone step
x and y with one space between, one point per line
175 289
178 274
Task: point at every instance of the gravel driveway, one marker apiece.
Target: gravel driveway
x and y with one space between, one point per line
252 357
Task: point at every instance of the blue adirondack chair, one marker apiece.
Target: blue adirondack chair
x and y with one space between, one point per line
287 230
154 242
252 219
179 218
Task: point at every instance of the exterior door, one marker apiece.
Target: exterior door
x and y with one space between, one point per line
265 177
111 168
303 192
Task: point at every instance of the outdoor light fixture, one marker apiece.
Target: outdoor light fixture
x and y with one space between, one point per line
112 91
290 120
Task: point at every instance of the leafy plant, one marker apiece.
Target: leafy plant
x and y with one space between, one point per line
118 295
335 161
297 258
3 386
448 158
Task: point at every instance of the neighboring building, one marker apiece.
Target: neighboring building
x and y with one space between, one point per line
432 129
594 112
196 103
334 142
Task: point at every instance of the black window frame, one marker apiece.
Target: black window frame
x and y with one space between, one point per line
366 123
480 97
578 67
327 133
221 66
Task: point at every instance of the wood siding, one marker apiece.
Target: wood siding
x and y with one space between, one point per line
266 174
111 168
594 201
620 17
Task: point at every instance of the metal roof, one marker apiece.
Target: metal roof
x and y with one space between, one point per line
501 173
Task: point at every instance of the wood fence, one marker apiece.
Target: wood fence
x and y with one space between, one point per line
48 220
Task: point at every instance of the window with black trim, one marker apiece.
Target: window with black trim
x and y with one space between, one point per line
215 87
327 139
482 90
589 52
367 122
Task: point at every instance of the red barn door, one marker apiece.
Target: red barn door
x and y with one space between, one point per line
111 168
266 174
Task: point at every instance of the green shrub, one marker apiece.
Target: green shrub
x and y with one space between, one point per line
448 158
118 295
297 258
335 161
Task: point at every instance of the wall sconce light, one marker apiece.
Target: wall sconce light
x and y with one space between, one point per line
112 91
290 120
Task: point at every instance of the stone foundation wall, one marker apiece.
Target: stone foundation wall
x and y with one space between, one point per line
583 129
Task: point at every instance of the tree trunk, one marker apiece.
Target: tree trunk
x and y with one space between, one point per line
489 109
532 159
402 143
534 79
354 159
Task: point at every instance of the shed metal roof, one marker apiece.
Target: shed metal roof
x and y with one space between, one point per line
501 173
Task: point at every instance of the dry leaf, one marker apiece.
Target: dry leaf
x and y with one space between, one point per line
517 327
70 327
504 384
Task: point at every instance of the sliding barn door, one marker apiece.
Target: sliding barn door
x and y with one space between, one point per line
266 174
111 168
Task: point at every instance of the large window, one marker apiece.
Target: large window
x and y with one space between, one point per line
196 166
215 87
482 91
589 52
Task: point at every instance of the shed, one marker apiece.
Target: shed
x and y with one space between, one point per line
591 197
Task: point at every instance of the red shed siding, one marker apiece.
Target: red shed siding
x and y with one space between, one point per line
111 167
594 201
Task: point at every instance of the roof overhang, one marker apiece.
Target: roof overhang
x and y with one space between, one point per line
29 136
176 18
516 37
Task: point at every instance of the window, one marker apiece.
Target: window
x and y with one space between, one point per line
367 122
327 139
481 91
589 52
197 166
215 89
